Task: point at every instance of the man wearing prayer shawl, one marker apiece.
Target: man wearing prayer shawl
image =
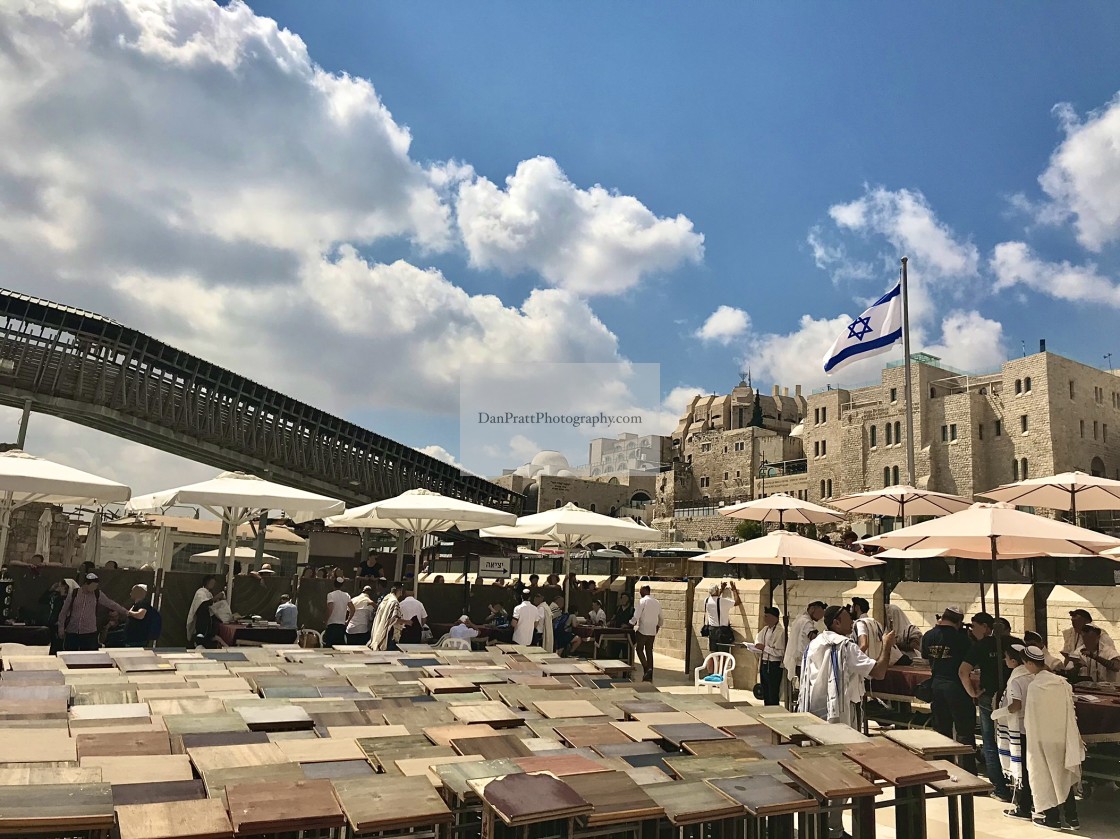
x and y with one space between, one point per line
1054 747
907 637
798 637
1008 719
387 622
833 669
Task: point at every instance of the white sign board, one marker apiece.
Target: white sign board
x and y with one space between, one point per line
494 567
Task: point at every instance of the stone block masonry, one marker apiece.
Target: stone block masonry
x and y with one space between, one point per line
921 602
1102 602
745 621
803 592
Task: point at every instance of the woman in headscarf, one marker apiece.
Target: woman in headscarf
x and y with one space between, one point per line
387 622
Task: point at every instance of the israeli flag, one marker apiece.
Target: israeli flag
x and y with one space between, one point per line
874 332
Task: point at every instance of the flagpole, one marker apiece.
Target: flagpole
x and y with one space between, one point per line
910 471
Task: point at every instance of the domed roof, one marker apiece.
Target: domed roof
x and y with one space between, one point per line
550 458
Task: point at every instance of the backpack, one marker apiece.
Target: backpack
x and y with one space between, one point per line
70 612
155 624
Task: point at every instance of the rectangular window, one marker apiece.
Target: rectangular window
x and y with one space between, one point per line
740 446
953 432
888 434
894 394
872 434
824 447
1023 424
980 431
1094 429
1104 432
1081 425
824 414
1071 389
816 448
736 473
944 434
705 447
999 428
726 475
816 416
704 483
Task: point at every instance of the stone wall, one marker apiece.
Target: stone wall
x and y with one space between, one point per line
703 528
673 597
921 602
745 620
1102 602
24 532
833 592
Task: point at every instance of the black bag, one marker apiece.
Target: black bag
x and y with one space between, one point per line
758 692
724 635
705 630
923 692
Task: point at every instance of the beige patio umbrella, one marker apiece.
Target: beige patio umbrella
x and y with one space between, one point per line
783 509
996 532
790 550
901 501
1070 491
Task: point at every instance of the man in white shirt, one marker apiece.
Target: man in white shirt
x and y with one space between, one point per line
526 616
360 617
833 671
1098 658
717 615
799 636
596 616
338 604
1073 640
866 631
200 624
463 629
415 617
771 646
647 623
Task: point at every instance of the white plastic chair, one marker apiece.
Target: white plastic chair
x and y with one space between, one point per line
449 643
309 634
715 673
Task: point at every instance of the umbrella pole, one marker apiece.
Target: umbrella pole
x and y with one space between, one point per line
785 621
567 572
5 524
995 602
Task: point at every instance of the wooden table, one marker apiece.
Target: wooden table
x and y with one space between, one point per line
784 727
216 780
391 806
926 743
963 786
140 769
525 799
616 801
595 734
831 780
560 765
832 734
208 758
676 734
492 748
275 717
127 743
337 769
283 806
494 714
907 773
689 803
152 793
200 819
731 747
567 709
770 803
57 809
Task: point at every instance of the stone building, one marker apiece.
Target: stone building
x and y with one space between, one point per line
626 453
1037 415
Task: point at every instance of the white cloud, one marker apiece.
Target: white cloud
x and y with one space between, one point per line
906 220
833 257
1015 264
1083 176
969 341
591 241
724 325
679 398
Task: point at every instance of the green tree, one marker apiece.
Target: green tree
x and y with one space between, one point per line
747 530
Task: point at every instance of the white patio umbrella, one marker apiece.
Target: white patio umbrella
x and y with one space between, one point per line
236 553
237 497
92 548
420 512
1070 491
569 526
782 508
43 534
901 501
26 479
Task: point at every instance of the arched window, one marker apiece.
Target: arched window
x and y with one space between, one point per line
591 507
822 490
898 432
1027 384
872 434
886 476
1014 469
559 502
830 487
890 438
1023 473
1018 386
894 475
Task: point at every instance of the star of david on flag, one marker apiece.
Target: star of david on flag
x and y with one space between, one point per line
874 332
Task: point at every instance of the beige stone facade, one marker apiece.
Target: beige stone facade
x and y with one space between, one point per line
1038 415
626 453
616 495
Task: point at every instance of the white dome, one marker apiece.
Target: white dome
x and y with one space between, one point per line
565 473
550 458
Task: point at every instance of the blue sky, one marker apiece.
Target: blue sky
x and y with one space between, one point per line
810 145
